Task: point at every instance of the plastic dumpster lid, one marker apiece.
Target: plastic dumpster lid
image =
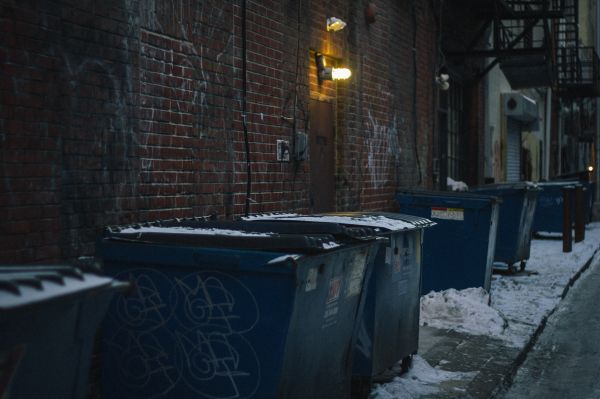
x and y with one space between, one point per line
379 221
215 235
269 226
451 194
26 286
560 183
519 185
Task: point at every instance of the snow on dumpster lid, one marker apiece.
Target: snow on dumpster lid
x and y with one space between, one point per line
221 235
519 185
24 286
194 231
385 221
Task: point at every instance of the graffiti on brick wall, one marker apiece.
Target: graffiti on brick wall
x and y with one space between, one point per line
187 334
383 147
190 49
97 146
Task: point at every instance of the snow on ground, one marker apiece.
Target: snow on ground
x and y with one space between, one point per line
518 303
511 312
465 310
421 379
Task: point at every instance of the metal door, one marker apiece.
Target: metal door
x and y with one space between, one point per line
513 150
322 156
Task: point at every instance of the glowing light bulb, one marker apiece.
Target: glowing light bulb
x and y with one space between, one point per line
340 73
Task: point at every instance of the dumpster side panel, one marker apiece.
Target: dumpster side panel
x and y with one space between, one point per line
209 323
400 332
549 209
510 219
390 331
491 244
195 331
529 207
455 251
53 367
322 329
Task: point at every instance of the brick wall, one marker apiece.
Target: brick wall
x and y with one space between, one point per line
125 111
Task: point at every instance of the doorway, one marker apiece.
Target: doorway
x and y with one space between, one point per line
322 156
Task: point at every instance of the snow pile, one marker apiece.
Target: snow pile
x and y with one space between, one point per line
465 311
454 185
421 379
519 303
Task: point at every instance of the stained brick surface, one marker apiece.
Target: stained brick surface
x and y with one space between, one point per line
122 111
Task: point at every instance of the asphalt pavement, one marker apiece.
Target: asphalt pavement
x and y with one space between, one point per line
565 361
571 342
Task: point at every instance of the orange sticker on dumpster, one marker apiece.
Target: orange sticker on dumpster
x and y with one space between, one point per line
335 287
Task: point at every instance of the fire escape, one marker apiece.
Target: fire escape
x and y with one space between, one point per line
535 42
578 78
577 65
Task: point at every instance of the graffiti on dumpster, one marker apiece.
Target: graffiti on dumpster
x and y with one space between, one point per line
186 332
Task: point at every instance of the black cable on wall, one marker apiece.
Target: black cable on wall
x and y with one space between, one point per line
244 115
414 105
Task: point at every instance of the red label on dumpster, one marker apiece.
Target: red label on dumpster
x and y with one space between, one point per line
335 287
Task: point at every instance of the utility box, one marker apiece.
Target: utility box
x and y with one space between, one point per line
520 107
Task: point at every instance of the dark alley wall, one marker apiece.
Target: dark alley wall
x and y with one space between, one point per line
124 111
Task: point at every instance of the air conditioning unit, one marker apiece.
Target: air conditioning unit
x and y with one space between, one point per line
519 107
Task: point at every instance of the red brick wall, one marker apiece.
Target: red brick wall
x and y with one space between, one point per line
124 111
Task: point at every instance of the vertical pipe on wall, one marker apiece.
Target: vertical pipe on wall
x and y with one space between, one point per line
244 114
547 134
597 142
413 8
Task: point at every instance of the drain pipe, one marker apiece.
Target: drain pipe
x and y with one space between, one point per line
596 172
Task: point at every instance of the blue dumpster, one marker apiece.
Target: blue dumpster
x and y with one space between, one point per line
48 320
224 310
458 251
588 191
389 328
515 221
548 216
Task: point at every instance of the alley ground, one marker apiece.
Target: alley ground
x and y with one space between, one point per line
473 343
565 361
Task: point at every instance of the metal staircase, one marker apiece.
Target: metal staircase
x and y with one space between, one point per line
578 74
521 39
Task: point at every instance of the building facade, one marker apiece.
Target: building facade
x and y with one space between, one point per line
126 111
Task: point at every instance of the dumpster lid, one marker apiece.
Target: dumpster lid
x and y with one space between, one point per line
559 183
380 221
451 194
24 286
340 232
520 185
234 235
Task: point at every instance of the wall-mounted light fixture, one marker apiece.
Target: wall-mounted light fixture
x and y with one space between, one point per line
442 81
329 73
335 24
